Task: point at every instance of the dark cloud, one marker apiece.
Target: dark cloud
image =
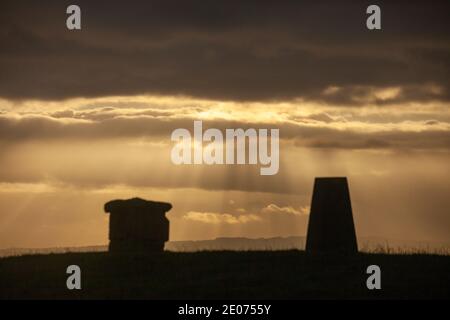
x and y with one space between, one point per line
253 50
304 132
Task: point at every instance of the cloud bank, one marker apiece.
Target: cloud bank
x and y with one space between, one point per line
225 50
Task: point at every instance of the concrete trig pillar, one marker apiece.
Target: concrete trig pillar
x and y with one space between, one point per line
331 228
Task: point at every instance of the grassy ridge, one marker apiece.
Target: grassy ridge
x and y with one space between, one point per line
203 275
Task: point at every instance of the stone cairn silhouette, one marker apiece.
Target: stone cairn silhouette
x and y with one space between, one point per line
137 225
330 227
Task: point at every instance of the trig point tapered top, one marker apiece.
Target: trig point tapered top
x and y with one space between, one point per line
331 228
137 225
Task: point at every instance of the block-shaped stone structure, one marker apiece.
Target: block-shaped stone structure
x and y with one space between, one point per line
137 225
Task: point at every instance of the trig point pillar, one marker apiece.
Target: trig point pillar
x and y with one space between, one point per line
331 228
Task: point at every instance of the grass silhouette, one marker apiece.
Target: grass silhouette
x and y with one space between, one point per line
224 274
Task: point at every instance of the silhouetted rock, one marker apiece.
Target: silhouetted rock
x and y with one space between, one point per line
331 228
137 225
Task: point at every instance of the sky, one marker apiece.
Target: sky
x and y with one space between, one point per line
86 116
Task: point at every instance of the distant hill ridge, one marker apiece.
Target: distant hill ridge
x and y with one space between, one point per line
366 244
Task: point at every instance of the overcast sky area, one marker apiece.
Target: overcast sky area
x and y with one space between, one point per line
86 116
